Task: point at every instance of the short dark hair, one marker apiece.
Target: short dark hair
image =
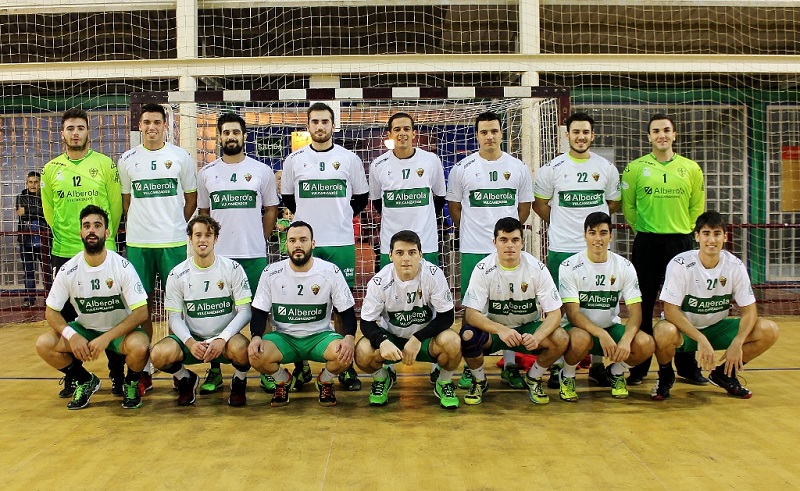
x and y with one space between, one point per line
711 219
74 113
487 116
94 210
399 116
658 117
299 224
152 107
580 117
231 118
205 220
596 218
507 225
33 173
408 236
320 106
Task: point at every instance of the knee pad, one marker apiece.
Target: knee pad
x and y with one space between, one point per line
474 347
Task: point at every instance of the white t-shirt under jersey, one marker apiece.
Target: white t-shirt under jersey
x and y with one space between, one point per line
207 297
575 189
704 295
156 181
103 296
322 184
487 191
405 307
406 188
235 194
300 304
597 287
510 297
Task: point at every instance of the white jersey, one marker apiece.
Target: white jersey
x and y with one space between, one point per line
575 189
235 195
487 191
510 297
207 297
300 304
406 188
704 295
597 287
156 181
404 307
103 296
322 184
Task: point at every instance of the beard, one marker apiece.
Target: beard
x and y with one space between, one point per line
321 139
302 260
95 248
78 148
234 150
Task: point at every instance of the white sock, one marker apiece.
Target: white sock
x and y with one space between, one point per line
569 371
326 377
380 374
509 358
597 359
445 376
619 368
281 376
479 374
536 370
434 366
148 367
240 374
182 373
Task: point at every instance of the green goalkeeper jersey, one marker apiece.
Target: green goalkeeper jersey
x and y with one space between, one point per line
663 198
70 185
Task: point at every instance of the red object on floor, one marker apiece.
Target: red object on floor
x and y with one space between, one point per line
523 361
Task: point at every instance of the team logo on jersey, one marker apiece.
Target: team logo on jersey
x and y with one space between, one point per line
681 172
59 176
507 175
480 266
139 288
646 172
315 288
377 280
420 171
168 164
247 177
613 279
93 172
336 165
110 282
596 177
523 287
220 284
723 280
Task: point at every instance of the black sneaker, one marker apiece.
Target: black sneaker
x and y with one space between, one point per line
554 382
599 375
118 386
393 375
187 389
666 379
695 377
349 378
69 384
281 395
327 395
84 392
131 398
730 384
238 396
635 379
434 375
302 375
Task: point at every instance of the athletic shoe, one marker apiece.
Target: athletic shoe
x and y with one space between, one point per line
213 381
510 376
131 398
566 389
392 374
118 386
145 383
695 377
730 384
554 382
446 392
636 379
327 395
666 379
466 380
69 384
84 392
379 391
238 395
187 389
302 375
434 375
280 396
599 375
536 391
475 393
268 384
348 378
619 388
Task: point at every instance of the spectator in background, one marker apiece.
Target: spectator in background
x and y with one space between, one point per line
32 222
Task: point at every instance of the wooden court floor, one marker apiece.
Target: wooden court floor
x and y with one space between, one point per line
698 439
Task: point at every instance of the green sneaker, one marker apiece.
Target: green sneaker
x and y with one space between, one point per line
302 375
619 388
536 391
268 384
465 382
84 392
510 376
476 390
131 399
446 392
213 381
348 378
566 389
379 392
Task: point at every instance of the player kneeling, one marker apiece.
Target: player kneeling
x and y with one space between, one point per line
298 295
111 303
697 293
592 282
407 315
208 300
501 312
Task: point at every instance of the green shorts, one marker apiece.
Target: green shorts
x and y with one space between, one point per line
424 351
91 334
253 267
157 260
468 263
498 344
720 335
311 348
554 260
188 357
342 256
616 331
431 257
